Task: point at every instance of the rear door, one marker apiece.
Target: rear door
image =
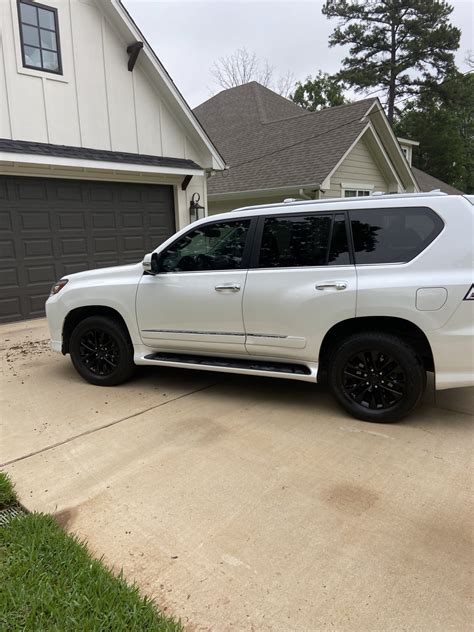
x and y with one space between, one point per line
302 281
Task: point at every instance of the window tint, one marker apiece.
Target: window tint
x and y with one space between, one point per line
39 37
339 251
295 241
218 246
393 235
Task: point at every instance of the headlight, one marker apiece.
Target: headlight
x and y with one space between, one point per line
57 287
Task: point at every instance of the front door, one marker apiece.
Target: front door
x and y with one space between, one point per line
194 303
301 283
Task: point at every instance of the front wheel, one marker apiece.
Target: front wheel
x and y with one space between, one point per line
101 351
377 377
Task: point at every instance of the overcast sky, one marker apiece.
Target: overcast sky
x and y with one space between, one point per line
188 36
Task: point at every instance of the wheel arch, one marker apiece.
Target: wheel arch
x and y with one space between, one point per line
75 316
407 330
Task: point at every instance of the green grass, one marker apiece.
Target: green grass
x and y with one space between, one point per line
7 493
50 583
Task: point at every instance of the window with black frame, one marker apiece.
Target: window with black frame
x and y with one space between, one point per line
39 35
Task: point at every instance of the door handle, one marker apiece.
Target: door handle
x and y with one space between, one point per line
228 287
336 285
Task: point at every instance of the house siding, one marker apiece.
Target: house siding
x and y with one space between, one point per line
222 206
359 167
97 102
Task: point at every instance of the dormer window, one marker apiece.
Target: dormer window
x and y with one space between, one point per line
39 35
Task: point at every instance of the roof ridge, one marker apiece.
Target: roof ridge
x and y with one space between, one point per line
259 89
331 108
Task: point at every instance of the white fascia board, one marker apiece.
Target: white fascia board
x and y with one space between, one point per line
261 192
404 164
405 141
326 184
135 34
380 146
357 185
80 163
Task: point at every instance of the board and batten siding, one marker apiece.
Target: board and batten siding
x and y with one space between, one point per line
359 167
97 102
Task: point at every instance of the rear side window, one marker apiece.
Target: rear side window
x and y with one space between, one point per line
303 241
392 235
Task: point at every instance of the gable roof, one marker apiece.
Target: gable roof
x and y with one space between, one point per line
124 23
270 142
430 183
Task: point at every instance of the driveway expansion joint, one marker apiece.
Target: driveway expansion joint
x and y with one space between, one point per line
104 426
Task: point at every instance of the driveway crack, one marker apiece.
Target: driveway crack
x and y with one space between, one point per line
103 427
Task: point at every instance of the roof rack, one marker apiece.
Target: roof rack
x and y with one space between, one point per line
338 200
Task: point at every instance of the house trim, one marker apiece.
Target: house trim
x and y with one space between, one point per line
357 185
326 184
403 165
103 165
263 192
63 76
400 186
135 34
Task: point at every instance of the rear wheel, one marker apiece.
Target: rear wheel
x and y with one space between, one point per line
377 377
101 351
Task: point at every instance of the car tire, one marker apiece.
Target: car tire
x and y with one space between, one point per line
377 377
101 351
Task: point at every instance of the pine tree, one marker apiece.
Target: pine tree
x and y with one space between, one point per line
397 46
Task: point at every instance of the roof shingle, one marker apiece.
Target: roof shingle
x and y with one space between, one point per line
430 183
270 142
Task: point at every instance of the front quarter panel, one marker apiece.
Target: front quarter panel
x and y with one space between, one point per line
109 287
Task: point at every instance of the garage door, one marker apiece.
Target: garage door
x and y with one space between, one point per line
49 228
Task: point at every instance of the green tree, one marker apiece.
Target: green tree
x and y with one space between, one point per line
441 118
396 46
323 91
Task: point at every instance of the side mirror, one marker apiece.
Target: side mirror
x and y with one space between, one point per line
151 263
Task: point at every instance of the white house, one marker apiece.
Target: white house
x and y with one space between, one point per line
100 155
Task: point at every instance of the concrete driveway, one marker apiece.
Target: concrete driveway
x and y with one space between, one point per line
248 504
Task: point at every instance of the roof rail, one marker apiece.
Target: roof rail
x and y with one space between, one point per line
338 200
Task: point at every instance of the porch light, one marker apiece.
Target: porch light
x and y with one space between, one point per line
196 211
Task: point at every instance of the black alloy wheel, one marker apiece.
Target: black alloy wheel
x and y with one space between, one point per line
101 351
376 376
374 379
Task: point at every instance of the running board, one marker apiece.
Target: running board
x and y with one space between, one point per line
233 365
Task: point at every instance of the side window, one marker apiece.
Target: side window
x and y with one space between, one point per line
295 241
218 246
392 235
39 35
339 251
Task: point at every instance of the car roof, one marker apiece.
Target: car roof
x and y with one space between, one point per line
341 204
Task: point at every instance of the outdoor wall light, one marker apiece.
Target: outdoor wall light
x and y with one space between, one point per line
196 211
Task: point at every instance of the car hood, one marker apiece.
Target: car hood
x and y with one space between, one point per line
99 274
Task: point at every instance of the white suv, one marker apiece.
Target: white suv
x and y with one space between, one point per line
367 293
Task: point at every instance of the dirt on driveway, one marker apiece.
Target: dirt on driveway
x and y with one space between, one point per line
248 504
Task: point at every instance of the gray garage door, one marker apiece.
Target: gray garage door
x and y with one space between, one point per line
49 228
